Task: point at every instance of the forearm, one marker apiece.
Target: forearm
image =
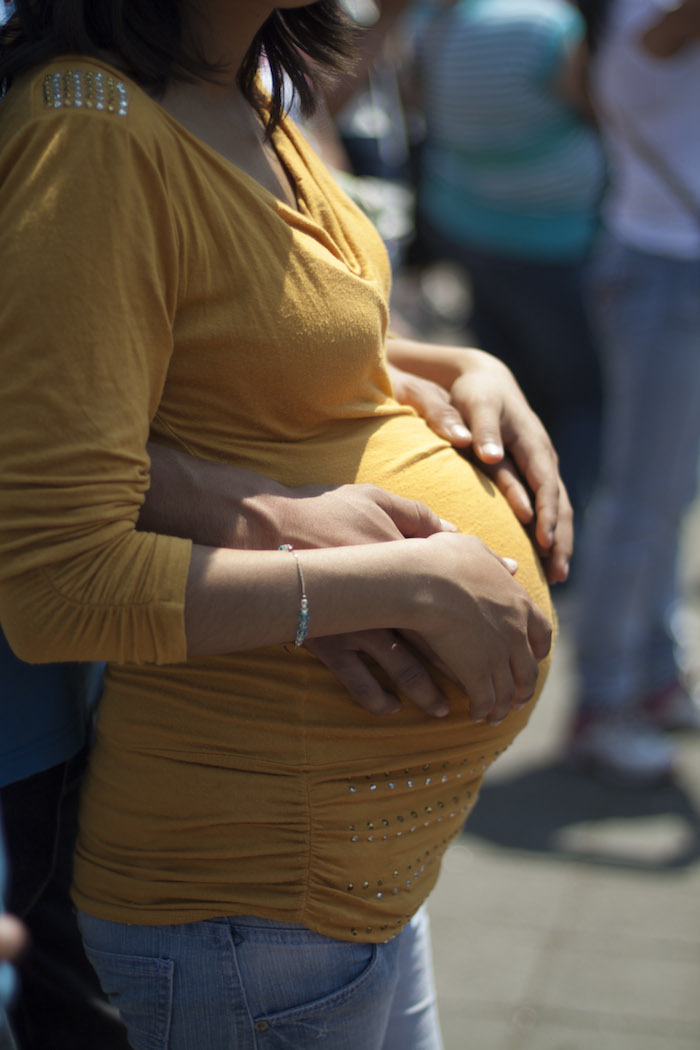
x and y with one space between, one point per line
238 600
219 505
674 30
216 504
476 620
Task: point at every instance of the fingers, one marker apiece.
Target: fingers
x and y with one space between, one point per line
553 516
507 478
482 697
445 420
539 633
508 563
344 662
407 673
433 403
558 559
419 643
485 423
532 469
546 510
509 687
411 518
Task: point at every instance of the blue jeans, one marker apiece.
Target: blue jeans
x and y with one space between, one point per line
245 983
648 314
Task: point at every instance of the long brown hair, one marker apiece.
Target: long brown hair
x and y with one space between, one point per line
301 45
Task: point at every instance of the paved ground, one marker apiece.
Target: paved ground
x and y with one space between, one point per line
568 915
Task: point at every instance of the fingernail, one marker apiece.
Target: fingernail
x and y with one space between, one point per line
490 448
448 526
441 711
460 432
511 564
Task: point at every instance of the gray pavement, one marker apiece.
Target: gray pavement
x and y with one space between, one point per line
568 913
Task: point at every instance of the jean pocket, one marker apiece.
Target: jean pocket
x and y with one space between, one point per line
141 989
331 1006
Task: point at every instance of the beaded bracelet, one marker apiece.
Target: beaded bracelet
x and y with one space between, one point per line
303 624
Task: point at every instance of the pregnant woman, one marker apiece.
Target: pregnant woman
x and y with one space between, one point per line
254 847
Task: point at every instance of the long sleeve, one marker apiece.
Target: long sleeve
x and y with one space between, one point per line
88 287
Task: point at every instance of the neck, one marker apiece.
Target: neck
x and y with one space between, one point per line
223 32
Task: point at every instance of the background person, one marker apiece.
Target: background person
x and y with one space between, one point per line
645 294
511 172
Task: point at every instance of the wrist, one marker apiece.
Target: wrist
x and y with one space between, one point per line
414 595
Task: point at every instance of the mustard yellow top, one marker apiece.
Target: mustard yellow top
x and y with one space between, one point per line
151 287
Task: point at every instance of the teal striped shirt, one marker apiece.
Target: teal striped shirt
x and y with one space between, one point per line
508 165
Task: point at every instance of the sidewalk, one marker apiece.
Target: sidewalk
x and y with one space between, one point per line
568 913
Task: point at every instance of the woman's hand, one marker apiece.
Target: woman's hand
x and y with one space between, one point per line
479 624
501 419
476 622
471 619
472 400
224 506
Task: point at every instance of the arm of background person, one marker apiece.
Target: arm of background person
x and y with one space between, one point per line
675 29
476 403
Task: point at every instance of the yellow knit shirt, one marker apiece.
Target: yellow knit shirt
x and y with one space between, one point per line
151 288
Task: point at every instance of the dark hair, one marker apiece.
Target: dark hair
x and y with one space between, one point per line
306 44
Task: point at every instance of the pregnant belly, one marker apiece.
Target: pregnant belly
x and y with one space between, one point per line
296 802
287 706
406 458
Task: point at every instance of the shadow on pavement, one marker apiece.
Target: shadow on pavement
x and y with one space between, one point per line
572 817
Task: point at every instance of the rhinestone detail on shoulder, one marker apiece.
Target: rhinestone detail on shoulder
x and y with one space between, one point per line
79 89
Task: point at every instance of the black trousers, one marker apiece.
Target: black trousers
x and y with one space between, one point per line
60 1005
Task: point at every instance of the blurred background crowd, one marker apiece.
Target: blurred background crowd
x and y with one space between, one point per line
534 169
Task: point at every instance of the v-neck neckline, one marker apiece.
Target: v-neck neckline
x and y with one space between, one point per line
284 144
